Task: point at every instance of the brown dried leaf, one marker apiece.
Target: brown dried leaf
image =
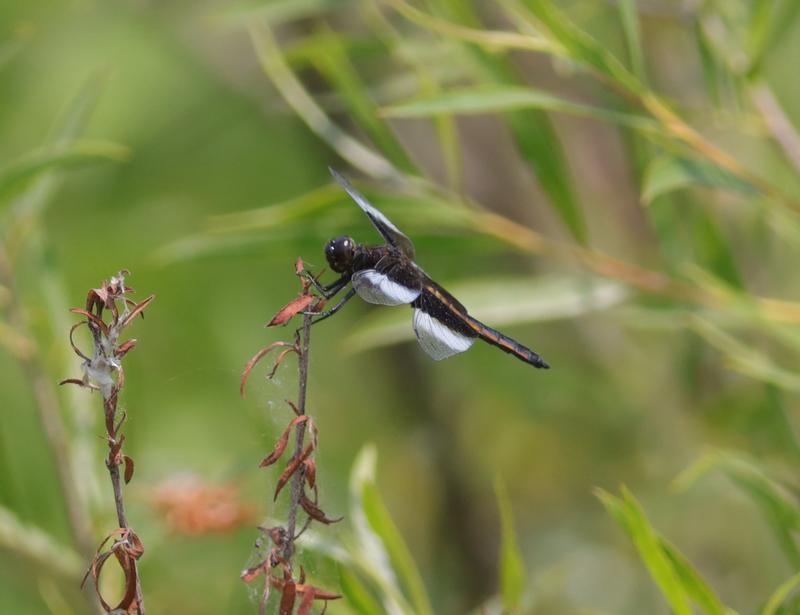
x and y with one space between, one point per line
77 381
291 468
280 445
278 362
96 320
125 348
139 309
311 472
256 358
290 309
248 574
315 512
128 468
306 602
319 594
288 596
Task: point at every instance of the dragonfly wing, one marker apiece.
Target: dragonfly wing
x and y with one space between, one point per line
376 287
393 235
437 339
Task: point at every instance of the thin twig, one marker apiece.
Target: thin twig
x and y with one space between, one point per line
300 432
112 463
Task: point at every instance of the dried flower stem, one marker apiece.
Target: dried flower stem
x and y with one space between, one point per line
300 469
103 371
300 433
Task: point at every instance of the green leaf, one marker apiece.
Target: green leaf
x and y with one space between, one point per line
512 568
504 98
359 598
581 47
770 20
535 300
666 174
380 545
694 586
277 12
19 175
400 557
333 63
779 506
780 594
745 358
629 515
630 26
531 129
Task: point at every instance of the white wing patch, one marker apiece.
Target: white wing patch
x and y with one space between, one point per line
437 339
376 287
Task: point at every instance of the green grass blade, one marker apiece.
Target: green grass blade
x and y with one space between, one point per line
582 47
358 597
400 557
504 98
666 174
512 568
628 513
780 507
19 175
693 584
630 27
531 129
331 60
381 547
780 594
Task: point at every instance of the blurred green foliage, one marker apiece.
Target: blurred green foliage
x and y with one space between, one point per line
613 183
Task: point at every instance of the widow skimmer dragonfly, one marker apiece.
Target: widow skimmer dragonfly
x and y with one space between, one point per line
388 275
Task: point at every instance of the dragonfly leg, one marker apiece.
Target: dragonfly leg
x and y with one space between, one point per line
331 289
328 313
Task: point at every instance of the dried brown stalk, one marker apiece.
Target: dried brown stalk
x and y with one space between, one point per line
103 371
277 566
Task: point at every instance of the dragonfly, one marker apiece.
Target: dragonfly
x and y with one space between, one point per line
388 275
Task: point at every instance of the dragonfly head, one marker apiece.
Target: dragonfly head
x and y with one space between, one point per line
340 253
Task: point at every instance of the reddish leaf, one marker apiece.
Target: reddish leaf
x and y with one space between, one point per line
125 348
319 594
306 602
128 468
288 597
280 445
278 362
139 309
311 472
291 468
72 340
290 309
256 358
92 318
249 574
127 549
315 512
299 267
77 381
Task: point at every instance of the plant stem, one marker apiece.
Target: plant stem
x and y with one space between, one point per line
110 406
300 433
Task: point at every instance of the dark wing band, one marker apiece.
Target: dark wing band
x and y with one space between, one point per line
393 235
